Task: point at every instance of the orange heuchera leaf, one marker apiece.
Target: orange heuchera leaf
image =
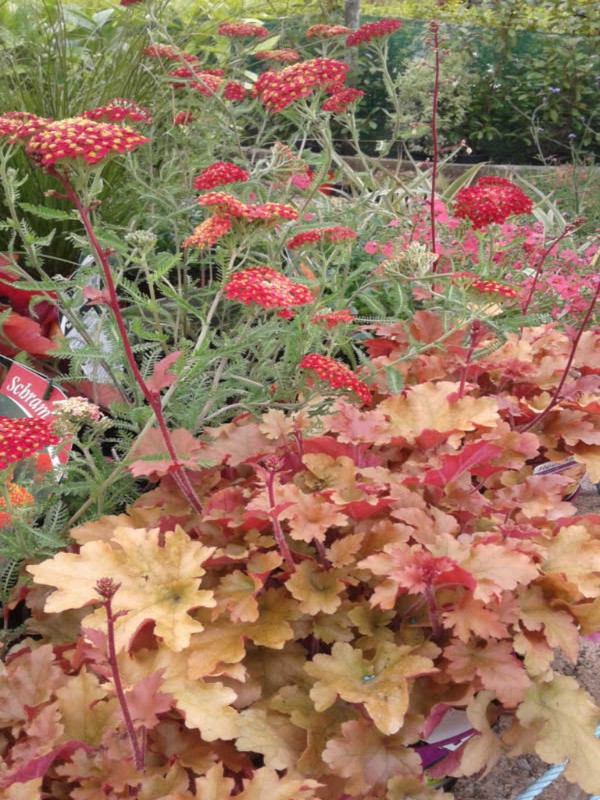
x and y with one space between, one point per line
485 749
429 407
26 682
367 758
564 717
85 708
158 583
381 684
401 788
151 456
309 516
575 553
496 569
494 663
558 628
146 700
272 735
317 590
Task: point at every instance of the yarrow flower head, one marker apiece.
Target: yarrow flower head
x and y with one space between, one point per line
208 232
75 411
268 288
339 101
284 55
183 118
21 124
208 82
18 496
23 436
326 31
242 29
333 318
227 205
219 174
79 138
336 374
169 53
336 233
494 287
130 2
373 30
277 90
490 199
118 109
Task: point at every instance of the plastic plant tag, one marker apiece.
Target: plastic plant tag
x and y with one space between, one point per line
450 733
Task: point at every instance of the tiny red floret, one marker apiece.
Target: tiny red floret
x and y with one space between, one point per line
23 436
336 374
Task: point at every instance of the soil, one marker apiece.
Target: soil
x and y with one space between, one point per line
510 777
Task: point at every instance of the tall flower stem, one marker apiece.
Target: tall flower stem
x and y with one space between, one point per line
107 589
435 42
556 394
152 397
277 530
542 260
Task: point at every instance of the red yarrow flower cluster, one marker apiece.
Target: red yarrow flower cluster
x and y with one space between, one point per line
228 205
242 29
17 496
183 118
23 436
494 287
21 124
336 233
373 30
490 199
339 101
78 138
277 90
333 318
219 174
208 82
208 232
169 53
117 110
336 374
268 288
284 55
130 2
326 31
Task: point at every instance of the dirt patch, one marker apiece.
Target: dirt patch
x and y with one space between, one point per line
510 777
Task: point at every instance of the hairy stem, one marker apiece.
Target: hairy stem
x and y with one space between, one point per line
152 398
277 530
434 29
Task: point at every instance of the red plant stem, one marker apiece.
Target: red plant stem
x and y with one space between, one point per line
434 616
434 28
556 396
540 264
277 530
136 750
153 398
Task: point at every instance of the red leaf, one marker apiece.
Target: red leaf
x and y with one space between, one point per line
37 767
24 335
470 456
96 296
160 378
103 394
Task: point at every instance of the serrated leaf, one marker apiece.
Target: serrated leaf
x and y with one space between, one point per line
44 212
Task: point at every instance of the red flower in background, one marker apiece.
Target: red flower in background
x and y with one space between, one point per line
336 374
493 287
490 199
183 118
277 90
23 436
118 109
207 233
227 205
17 496
284 55
326 31
242 29
372 30
339 101
130 2
81 139
336 233
333 318
21 124
169 53
266 287
219 174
